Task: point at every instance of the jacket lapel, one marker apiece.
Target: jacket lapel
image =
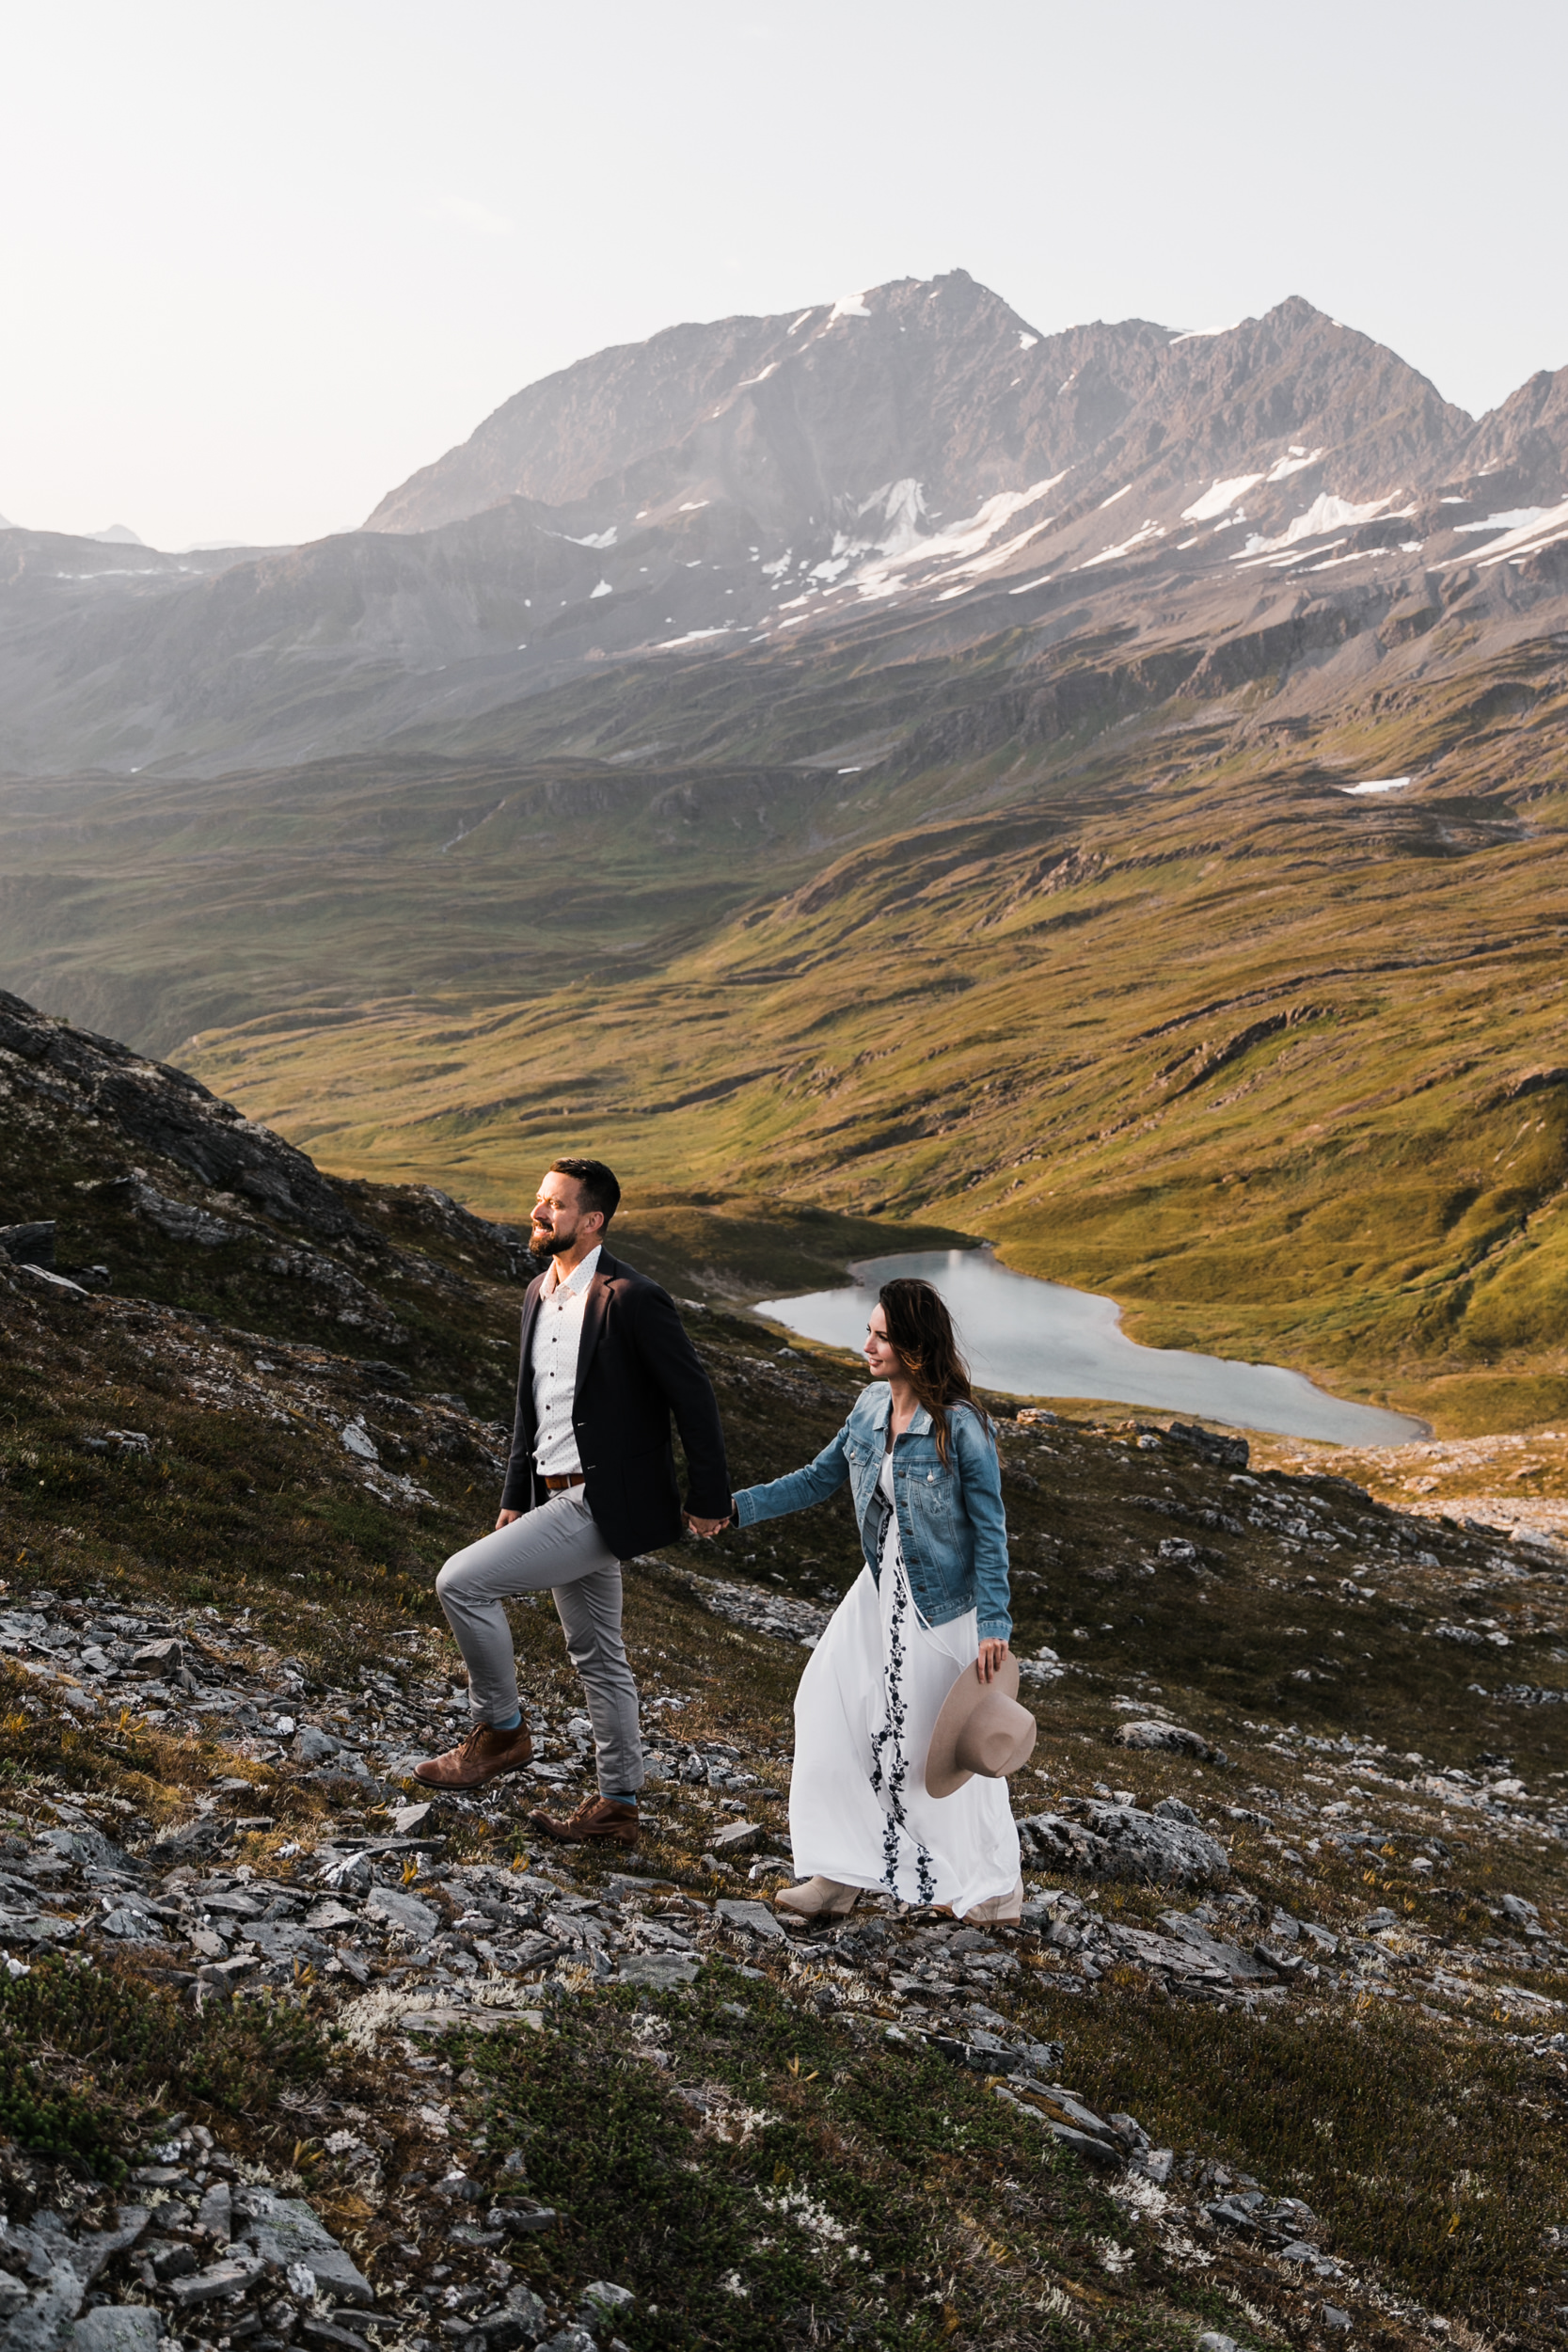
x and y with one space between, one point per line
595 1308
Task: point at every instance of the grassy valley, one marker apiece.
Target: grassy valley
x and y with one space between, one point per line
1135 989
1176 1018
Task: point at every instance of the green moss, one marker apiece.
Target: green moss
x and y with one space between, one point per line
87 2056
1371 2118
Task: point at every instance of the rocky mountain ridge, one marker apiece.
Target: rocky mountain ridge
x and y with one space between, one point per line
915 452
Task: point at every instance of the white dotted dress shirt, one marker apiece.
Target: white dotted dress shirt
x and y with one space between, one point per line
557 1339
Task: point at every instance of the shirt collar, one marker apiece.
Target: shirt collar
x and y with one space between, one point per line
578 1280
882 1408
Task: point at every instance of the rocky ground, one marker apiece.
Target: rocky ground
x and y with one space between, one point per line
291 2055
1510 1484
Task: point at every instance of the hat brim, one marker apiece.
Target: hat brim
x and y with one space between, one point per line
943 1773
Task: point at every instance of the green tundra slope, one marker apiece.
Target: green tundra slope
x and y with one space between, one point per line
1178 1019
1120 976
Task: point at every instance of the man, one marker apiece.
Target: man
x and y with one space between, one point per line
590 1481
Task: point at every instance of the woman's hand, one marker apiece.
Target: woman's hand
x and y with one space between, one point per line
988 1663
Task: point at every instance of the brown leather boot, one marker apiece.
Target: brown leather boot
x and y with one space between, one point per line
482 1756
600 1821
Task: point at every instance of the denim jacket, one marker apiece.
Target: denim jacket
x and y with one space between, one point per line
950 1521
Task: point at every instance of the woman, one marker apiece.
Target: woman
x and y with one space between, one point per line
931 1602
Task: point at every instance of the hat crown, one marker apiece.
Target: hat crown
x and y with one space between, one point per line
982 1731
996 1738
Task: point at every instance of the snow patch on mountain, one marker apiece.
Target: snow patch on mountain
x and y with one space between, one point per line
848 307
959 541
1141 537
1325 513
1220 498
902 504
1547 526
1520 519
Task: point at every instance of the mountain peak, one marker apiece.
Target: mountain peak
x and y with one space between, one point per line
907 458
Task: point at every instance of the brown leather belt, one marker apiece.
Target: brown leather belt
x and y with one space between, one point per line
558 1486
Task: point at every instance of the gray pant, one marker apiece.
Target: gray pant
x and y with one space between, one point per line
555 1548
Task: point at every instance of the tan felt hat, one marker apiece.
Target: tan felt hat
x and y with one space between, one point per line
981 1729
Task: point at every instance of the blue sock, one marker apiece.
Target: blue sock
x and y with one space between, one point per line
617 1796
508 1723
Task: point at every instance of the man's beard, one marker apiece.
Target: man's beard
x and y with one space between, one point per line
546 1245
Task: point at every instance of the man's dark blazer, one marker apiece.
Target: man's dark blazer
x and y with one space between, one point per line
635 1368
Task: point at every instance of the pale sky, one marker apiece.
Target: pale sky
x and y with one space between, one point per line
261 259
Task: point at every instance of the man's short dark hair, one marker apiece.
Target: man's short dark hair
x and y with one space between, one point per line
595 1183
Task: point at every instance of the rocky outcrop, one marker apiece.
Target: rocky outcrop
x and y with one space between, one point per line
1165 1848
168 1112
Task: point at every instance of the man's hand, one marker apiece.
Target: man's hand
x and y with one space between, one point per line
506 1518
988 1663
704 1527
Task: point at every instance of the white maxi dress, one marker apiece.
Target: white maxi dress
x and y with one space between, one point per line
865 1712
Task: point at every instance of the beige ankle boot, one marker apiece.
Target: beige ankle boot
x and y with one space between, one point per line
1000 1911
818 1899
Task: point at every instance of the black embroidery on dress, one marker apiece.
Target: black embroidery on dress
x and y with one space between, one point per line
890 1765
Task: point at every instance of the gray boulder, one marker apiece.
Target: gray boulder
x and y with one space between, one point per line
757 1919
41 2323
1240 1967
219 2280
1169 1740
1115 1841
178 1221
311 1745
216 2213
28 1245
403 1912
284 2230
86 1845
117 2327
658 1969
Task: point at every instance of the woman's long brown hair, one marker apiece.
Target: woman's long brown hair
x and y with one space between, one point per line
920 1331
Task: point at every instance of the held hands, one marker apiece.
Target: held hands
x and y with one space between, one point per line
990 1660
706 1527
